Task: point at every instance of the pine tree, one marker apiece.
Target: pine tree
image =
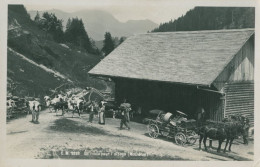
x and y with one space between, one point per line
37 17
108 42
211 18
51 24
68 24
76 34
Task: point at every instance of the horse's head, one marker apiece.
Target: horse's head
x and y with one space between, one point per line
240 124
244 121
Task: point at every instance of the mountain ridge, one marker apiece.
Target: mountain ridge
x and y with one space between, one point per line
97 22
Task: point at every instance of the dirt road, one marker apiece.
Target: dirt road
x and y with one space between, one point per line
56 133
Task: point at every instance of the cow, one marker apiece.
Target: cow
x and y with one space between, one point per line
10 104
35 107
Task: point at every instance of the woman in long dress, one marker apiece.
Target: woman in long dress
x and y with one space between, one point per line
102 114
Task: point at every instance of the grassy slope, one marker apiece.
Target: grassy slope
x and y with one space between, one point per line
32 79
39 46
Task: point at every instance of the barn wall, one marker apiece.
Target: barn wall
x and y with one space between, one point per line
240 68
168 97
240 99
237 81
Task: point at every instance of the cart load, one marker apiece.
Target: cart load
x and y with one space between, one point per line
125 106
173 126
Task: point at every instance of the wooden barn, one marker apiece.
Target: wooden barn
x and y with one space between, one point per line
185 70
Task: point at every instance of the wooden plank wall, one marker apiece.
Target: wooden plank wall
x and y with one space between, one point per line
240 99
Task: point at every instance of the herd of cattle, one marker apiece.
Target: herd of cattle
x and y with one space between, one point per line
66 102
74 102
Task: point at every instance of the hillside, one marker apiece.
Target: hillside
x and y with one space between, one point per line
211 18
26 39
29 78
98 22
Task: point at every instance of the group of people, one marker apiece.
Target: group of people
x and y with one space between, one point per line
99 109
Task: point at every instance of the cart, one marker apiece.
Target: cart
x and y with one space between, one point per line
178 128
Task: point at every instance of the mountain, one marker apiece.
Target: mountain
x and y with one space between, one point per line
37 64
211 18
98 22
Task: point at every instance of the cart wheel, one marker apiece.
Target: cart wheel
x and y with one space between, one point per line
153 130
191 139
180 138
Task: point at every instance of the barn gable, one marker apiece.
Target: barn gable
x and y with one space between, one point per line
240 68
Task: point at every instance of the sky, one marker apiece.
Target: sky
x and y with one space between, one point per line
123 10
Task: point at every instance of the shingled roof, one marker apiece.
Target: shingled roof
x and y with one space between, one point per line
194 57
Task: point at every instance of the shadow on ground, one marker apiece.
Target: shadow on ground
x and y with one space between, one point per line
70 126
11 133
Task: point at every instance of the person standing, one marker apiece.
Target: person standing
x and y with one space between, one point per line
246 127
92 112
201 119
102 114
200 116
125 108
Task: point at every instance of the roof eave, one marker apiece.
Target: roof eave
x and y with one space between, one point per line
180 83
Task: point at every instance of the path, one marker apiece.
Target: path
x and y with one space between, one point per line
28 140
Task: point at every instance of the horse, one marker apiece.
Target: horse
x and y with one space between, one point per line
227 129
